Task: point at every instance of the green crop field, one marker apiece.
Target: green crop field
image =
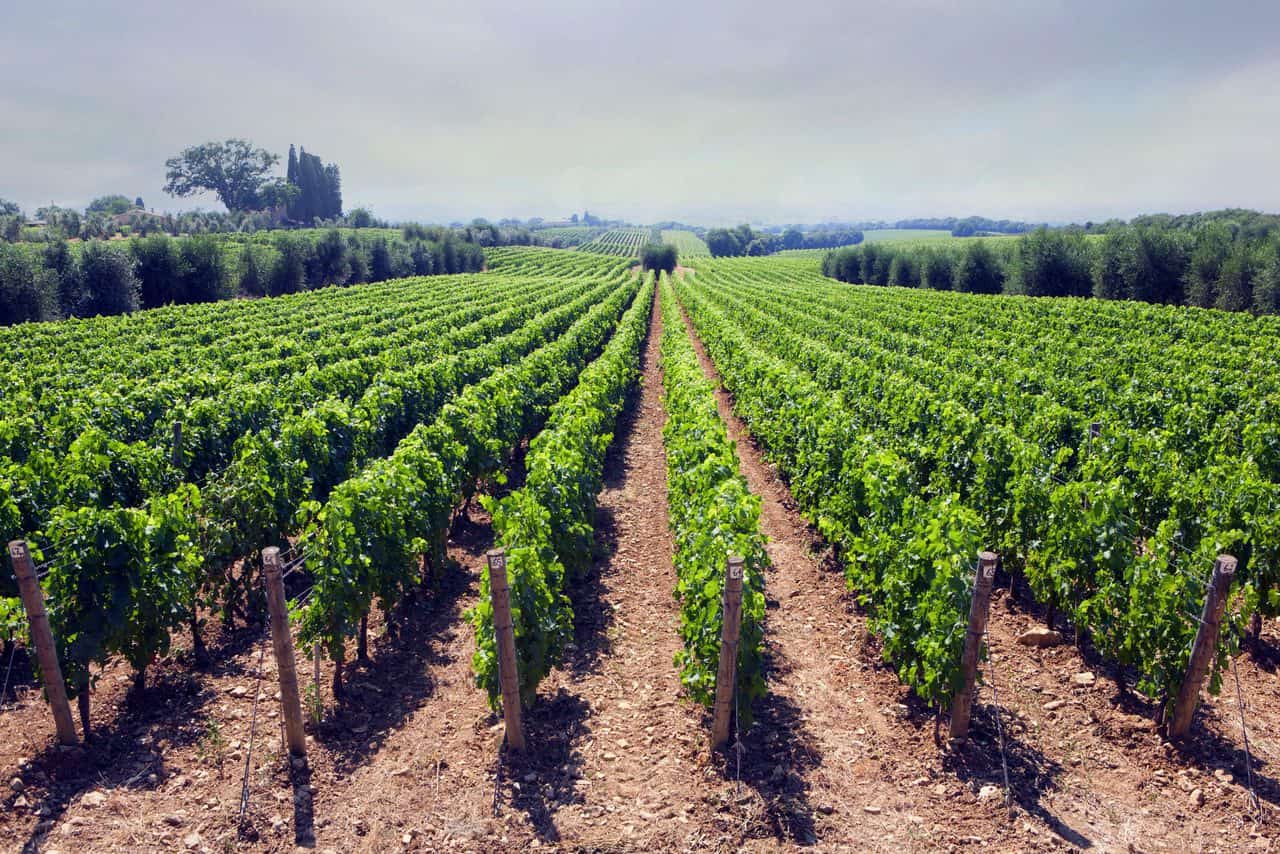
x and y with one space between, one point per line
618 241
922 235
687 244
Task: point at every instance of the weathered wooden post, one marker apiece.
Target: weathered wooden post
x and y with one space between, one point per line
282 645
1206 644
727 672
979 607
46 652
504 631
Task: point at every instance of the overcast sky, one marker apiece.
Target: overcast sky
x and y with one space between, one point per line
775 111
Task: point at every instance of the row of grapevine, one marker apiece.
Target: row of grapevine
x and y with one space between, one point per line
912 441
618 241
713 515
367 538
687 244
547 527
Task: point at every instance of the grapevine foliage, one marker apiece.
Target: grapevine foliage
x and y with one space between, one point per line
713 515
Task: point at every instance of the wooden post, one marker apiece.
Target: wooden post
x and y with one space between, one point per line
727 672
1206 644
176 457
504 630
978 610
46 651
282 645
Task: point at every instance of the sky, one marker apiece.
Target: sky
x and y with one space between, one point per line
708 113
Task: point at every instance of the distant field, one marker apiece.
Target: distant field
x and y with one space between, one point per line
687 244
803 253
618 241
921 235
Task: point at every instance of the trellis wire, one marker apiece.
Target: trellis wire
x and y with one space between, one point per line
995 699
1244 733
253 725
13 650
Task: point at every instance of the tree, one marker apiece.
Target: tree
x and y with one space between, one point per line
1235 283
978 271
68 280
381 265
253 274
358 258
158 269
792 238
234 170
659 257
904 272
1266 289
1108 278
112 205
332 192
277 195
330 264
936 268
8 208
360 218
288 274
1153 266
203 269
26 288
109 283
1209 251
137 203
62 220
1050 264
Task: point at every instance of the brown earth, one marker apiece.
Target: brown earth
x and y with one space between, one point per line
840 756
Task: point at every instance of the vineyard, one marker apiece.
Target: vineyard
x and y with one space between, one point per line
618 241
687 244
564 554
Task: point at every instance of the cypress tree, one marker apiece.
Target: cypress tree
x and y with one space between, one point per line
291 177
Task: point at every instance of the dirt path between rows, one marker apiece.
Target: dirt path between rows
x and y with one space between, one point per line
618 765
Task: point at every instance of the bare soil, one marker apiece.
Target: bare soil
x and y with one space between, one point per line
841 758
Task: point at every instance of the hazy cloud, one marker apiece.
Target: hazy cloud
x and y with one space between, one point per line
714 111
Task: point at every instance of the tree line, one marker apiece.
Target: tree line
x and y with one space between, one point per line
60 279
744 240
1212 266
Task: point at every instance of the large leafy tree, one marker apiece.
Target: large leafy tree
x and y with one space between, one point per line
111 205
234 170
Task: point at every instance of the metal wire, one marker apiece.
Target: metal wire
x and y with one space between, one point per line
253 725
1244 732
737 738
13 650
995 699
